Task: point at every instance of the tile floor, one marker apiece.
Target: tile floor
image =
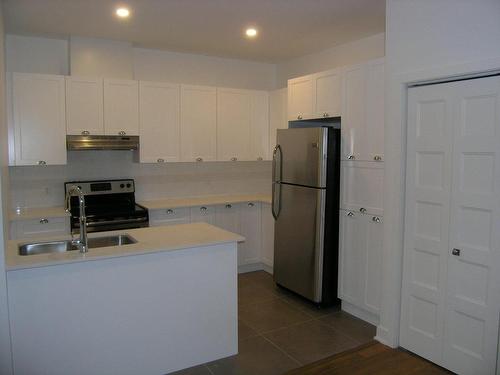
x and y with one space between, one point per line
279 331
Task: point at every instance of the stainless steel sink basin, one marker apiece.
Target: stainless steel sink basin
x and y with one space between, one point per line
62 246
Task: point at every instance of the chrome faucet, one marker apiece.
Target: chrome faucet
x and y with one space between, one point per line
82 243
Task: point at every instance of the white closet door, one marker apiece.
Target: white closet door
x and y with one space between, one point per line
473 282
374 246
373 142
353 113
428 179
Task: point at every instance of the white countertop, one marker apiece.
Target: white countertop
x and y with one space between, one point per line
204 201
37 213
149 240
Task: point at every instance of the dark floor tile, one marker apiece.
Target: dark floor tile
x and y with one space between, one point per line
252 294
245 331
256 356
351 326
197 370
310 341
272 314
309 307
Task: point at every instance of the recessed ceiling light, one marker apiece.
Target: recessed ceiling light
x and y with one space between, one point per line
122 12
251 32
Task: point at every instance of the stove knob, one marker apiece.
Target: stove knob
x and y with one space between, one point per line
122 186
128 185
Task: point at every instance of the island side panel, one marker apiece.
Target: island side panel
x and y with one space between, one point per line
141 314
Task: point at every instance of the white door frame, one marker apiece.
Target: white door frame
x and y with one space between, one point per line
394 181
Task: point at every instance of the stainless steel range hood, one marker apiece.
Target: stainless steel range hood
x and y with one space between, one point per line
102 142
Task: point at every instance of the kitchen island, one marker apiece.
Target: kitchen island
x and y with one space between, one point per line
164 303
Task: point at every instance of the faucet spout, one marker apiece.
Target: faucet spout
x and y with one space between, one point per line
83 242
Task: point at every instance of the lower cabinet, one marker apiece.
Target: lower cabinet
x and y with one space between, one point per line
249 251
169 216
267 235
203 214
361 238
43 227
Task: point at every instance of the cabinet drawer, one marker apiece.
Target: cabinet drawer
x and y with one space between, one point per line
362 187
169 216
203 214
43 227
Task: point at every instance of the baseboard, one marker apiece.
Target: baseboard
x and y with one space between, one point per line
267 268
244 268
360 313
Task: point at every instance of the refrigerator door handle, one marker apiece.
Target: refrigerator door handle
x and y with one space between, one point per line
276 182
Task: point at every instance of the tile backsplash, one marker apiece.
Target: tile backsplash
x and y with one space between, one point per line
44 186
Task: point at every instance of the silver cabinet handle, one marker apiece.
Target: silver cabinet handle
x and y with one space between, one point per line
121 133
160 160
351 157
170 211
228 206
350 214
42 162
362 210
377 158
299 117
85 132
376 219
325 114
260 158
456 252
234 158
251 204
203 208
199 159
44 221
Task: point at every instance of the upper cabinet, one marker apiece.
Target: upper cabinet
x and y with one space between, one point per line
121 107
39 119
315 96
363 112
259 125
198 123
84 106
277 115
159 109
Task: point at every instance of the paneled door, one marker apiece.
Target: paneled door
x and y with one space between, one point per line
451 299
121 107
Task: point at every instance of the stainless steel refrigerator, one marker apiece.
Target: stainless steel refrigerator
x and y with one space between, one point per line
306 184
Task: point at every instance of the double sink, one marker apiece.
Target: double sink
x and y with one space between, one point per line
68 245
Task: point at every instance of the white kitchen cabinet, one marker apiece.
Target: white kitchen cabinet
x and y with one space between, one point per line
159 113
267 235
250 228
362 188
360 261
39 119
169 216
363 112
259 125
277 115
227 216
315 96
42 227
84 106
121 107
198 123
203 214
234 120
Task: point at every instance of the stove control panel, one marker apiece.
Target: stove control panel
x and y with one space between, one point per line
103 187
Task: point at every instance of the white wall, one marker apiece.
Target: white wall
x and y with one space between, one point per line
5 349
425 39
368 48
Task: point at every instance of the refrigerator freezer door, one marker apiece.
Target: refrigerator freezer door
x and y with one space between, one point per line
299 235
303 156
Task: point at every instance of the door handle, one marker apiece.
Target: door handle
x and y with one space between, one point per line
276 183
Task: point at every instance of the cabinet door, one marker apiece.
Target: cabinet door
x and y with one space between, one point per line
121 107
198 123
39 119
249 251
353 112
203 214
328 89
159 107
300 98
374 245
373 145
169 216
267 235
352 257
362 187
259 126
277 115
84 106
228 217
233 124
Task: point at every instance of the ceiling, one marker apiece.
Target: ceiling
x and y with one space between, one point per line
287 28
